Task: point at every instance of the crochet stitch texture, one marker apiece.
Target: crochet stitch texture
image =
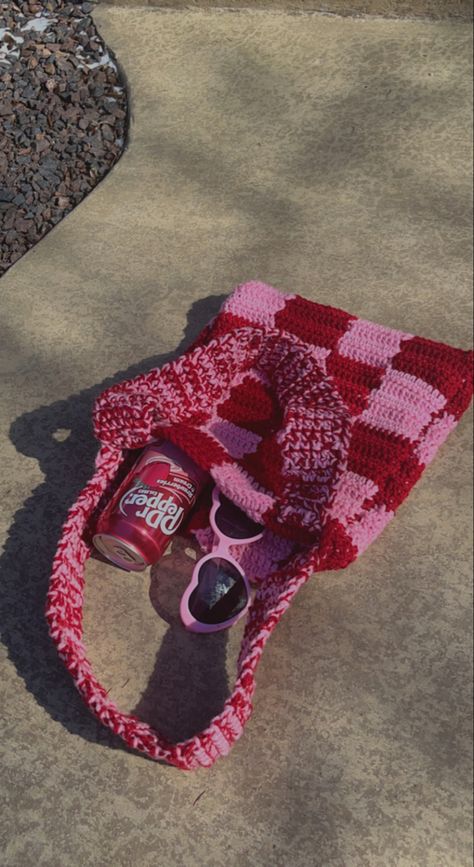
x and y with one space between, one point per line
317 423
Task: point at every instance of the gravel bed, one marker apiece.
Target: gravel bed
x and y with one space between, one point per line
63 117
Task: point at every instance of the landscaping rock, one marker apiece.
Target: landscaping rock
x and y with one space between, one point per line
63 115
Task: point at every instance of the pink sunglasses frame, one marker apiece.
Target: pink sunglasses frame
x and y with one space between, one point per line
220 548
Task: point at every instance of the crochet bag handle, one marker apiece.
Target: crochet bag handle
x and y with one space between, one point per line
64 616
127 416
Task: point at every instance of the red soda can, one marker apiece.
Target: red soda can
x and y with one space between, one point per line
150 504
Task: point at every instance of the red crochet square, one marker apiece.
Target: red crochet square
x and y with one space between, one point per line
320 324
385 458
446 368
354 380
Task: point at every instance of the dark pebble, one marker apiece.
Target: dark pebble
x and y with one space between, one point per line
107 132
48 164
41 182
6 195
9 219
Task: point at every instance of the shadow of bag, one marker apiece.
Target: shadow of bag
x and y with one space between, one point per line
313 421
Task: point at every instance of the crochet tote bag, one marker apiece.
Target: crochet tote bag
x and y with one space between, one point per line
313 421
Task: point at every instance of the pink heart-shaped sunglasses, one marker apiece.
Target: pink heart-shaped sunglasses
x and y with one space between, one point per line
219 592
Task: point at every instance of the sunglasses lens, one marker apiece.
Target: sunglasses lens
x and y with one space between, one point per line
234 523
220 594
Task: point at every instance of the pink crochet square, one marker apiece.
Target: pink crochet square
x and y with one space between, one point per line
403 404
371 343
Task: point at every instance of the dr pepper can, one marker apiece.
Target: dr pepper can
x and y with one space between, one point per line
151 503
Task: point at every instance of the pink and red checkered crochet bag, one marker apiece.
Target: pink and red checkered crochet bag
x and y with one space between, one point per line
317 423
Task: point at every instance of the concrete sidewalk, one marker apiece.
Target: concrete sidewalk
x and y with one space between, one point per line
329 157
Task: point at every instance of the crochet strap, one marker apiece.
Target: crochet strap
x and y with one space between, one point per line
64 615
